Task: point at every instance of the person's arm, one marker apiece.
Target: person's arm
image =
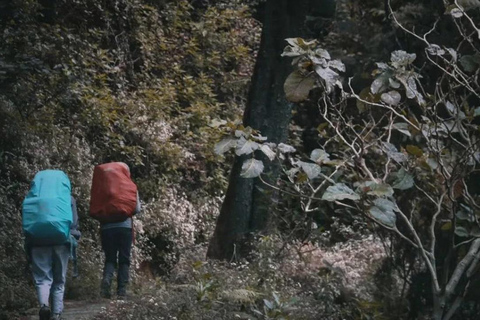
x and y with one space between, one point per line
138 207
74 227
27 246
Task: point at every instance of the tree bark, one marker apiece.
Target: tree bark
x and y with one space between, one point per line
246 209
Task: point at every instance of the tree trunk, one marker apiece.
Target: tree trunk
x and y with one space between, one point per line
246 208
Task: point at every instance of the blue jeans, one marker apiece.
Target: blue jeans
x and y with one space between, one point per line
49 266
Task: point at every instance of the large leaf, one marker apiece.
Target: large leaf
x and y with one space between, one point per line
432 163
392 97
319 156
217 123
322 53
267 151
380 84
393 153
311 169
414 150
294 48
379 189
475 231
461 232
285 148
245 146
435 50
404 180
337 64
251 168
402 127
409 82
225 145
456 13
383 211
446 226
465 213
401 58
339 191
297 86
292 172
470 63
327 74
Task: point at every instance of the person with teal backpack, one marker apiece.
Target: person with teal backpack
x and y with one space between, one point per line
50 226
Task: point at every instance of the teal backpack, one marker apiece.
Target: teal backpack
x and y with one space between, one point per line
46 210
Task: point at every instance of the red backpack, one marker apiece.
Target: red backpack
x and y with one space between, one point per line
113 196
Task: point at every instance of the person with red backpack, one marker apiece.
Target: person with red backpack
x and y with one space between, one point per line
50 225
114 200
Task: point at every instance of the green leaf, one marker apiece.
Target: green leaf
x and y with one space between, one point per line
476 112
392 98
414 150
446 226
475 232
293 172
251 168
383 211
245 146
337 64
327 74
393 153
225 145
465 213
402 127
217 123
311 169
293 49
470 63
268 304
401 58
258 137
432 163
461 232
435 50
380 84
285 148
404 180
267 151
394 84
297 86
409 82
456 13
322 53
319 156
379 189
339 191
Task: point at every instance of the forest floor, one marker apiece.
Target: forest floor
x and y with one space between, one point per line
75 310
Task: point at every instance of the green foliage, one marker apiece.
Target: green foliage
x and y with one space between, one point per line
86 82
274 308
402 158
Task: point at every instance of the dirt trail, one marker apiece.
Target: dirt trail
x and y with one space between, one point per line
75 310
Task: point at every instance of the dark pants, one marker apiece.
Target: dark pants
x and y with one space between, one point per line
117 246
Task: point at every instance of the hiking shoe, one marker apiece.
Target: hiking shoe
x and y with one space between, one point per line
44 313
121 295
57 316
105 290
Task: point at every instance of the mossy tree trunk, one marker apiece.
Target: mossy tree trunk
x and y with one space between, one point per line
246 209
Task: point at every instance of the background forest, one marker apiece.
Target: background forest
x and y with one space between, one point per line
363 125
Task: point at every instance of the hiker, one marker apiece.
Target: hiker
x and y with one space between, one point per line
50 224
114 200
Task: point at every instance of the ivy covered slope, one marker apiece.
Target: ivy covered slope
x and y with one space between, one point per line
84 82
